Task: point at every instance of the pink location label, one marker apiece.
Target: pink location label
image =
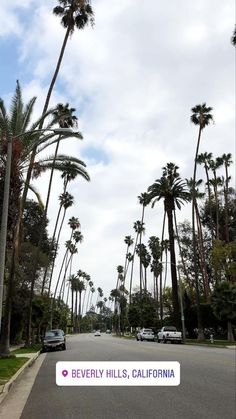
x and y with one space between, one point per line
64 373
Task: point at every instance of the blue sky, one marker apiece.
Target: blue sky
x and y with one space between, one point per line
133 80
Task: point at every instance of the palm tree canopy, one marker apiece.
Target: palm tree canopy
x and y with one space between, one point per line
170 187
201 115
74 13
65 116
74 223
233 38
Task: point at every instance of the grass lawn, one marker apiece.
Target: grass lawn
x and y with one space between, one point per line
8 367
34 348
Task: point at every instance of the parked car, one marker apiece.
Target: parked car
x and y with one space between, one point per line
97 333
54 339
108 331
145 334
169 333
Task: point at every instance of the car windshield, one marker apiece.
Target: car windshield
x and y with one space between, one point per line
147 331
52 334
170 329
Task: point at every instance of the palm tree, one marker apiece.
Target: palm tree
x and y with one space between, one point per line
66 201
226 160
173 191
87 279
80 287
69 173
156 268
72 280
201 116
89 294
205 159
233 38
199 237
74 14
139 228
129 241
214 165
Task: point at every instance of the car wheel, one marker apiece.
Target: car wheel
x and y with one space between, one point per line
164 340
141 339
158 340
64 347
137 338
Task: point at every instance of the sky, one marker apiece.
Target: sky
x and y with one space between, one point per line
133 79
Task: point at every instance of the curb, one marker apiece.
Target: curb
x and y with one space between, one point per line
7 387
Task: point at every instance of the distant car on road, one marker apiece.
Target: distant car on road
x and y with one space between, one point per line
54 339
145 334
108 331
97 333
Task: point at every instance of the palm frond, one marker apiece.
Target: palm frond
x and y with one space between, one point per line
37 194
16 110
28 113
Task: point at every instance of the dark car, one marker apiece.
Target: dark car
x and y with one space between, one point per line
54 339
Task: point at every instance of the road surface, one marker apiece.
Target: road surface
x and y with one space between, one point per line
207 389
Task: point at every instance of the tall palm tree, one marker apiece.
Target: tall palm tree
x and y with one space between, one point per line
89 294
156 268
72 281
87 279
74 14
233 38
226 160
205 159
80 287
66 201
129 241
139 228
69 173
173 191
202 117
199 237
215 182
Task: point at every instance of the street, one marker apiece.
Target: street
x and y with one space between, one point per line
207 387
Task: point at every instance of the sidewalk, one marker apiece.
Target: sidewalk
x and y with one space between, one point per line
5 388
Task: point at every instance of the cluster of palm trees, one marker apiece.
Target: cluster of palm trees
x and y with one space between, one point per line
22 145
214 218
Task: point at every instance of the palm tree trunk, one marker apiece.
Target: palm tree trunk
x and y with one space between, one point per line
79 311
72 309
76 311
199 316
210 202
161 288
132 268
226 194
4 219
201 254
169 206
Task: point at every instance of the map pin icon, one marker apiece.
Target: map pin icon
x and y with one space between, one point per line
64 373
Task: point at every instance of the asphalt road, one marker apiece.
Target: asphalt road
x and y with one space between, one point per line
207 389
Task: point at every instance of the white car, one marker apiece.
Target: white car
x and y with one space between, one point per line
97 333
145 334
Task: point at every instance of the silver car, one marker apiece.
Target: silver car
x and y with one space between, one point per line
145 334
